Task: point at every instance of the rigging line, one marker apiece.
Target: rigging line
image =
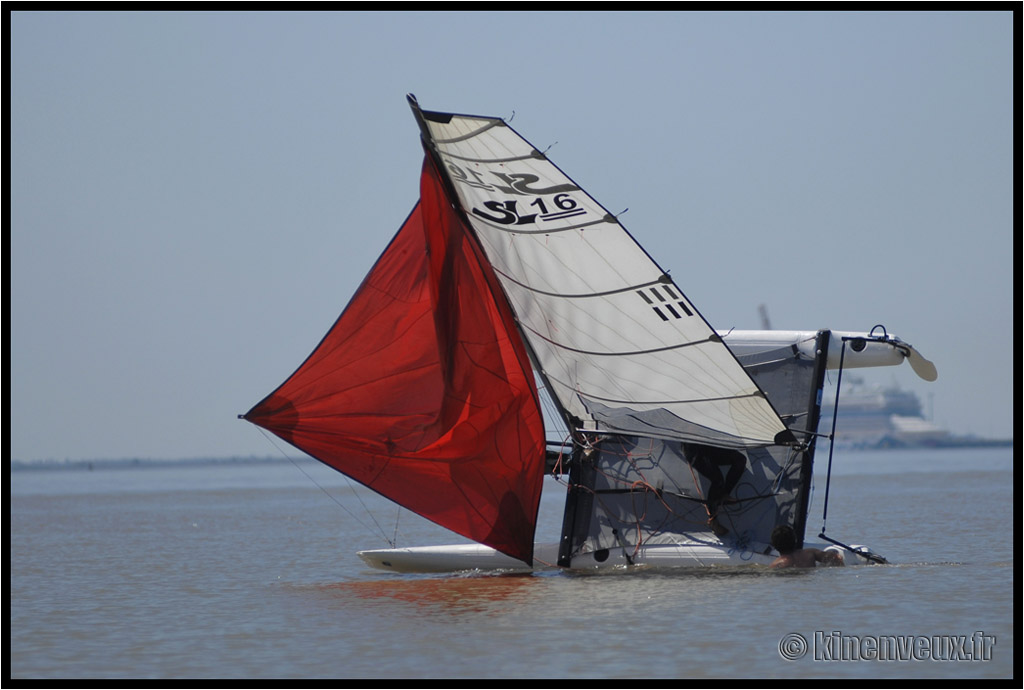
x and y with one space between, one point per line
783 471
700 493
640 487
654 530
567 440
341 505
394 536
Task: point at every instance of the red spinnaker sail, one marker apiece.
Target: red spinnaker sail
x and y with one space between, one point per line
422 389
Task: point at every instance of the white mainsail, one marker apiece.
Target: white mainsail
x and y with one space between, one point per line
620 346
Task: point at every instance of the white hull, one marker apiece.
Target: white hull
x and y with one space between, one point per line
475 557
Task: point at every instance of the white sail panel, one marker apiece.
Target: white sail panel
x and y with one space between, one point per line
620 345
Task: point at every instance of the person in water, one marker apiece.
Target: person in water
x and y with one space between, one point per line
784 541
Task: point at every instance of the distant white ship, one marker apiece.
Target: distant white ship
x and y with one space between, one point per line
889 417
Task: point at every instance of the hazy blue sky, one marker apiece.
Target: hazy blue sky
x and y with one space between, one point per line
195 196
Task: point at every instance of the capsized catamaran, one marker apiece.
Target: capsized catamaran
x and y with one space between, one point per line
686 447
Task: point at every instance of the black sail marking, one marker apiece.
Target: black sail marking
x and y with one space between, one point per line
663 304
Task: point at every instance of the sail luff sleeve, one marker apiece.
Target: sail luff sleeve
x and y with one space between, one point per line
621 346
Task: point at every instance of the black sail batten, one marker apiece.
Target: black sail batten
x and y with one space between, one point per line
551 231
444 118
582 295
535 154
628 353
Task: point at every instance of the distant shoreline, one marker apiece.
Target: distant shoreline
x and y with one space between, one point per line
891 444
126 463
117 463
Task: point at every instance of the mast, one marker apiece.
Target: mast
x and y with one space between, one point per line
813 418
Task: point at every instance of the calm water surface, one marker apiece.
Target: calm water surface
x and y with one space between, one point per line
248 570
